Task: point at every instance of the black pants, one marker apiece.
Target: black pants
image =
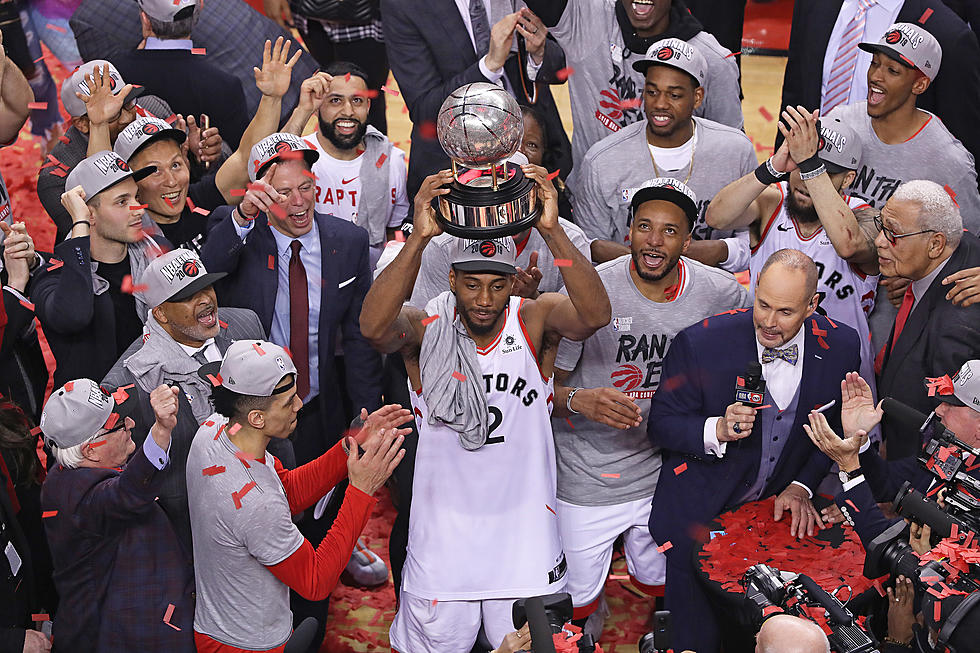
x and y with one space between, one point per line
366 53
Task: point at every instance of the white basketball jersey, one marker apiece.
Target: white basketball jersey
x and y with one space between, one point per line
845 293
483 522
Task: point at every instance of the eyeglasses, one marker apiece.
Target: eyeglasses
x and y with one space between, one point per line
891 236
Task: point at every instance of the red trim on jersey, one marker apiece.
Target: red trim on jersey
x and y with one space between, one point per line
681 280
858 272
521 245
489 348
586 610
527 339
772 218
799 235
649 590
928 120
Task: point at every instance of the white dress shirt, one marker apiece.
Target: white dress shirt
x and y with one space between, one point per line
920 286
153 43
877 20
495 76
211 351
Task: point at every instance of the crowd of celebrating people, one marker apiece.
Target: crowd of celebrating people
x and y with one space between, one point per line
222 196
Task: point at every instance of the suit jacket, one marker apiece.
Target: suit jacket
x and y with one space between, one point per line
22 372
236 324
431 56
252 281
954 95
936 340
698 379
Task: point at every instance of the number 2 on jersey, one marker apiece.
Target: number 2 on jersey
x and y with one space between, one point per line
496 417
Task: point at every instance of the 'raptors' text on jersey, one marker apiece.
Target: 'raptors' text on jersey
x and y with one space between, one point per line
464 542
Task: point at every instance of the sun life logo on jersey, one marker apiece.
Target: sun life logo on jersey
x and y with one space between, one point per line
511 345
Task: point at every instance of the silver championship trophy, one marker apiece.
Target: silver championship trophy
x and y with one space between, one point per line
480 126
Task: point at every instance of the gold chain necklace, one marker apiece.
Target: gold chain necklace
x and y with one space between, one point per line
690 171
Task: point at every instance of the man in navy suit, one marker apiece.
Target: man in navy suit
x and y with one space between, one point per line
735 453
305 274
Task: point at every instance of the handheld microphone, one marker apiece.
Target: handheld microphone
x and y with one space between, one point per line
750 390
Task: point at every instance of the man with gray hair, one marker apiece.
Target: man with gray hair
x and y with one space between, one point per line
922 239
785 633
124 581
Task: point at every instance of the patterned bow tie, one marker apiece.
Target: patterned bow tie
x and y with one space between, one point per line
788 354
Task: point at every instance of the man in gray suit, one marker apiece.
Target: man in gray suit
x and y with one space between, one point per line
183 332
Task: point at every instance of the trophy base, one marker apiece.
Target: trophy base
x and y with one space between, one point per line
476 211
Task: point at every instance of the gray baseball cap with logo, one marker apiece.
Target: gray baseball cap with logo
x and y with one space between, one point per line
143 131
963 388
77 411
910 45
101 171
251 367
75 83
676 54
168 10
839 146
497 255
276 147
174 277
670 190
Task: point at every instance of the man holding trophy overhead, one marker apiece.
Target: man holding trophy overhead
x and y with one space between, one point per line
483 530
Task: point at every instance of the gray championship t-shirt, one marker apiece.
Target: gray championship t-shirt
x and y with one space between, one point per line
604 77
240 521
933 154
597 464
433 276
616 166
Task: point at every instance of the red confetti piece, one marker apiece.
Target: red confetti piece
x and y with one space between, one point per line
877 586
733 54
213 470
429 320
390 91
128 287
369 93
666 546
278 211
170 613
552 175
680 469
951 193
851 504
925 16
832 323
167 200
563 262
48 513
435 601
258 349
459 377
29 306
551 510
218 433
50 364
610 475
399 235
64 139
570 425
564 73
56 28
120 395
237 192
347 77
770 609
199 51
113 419
234 428
138 207
766 406
427 129
69 386
215 380
55 264
222 324
618 577
58 172
307 173
40 617
272 262
381 160
765 114
237 496
243 457
937 611
94 445
36 430
198 209
40 106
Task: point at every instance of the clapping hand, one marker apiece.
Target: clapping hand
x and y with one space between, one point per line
858 411
18 254
386 418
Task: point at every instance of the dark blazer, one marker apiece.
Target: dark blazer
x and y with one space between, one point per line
698 380
236 324
936 340
252 282
118 565
191 84
16 590
954 95
22 372
431 56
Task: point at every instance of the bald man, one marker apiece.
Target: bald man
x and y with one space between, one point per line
785 633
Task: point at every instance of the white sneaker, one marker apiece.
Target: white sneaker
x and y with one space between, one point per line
365 568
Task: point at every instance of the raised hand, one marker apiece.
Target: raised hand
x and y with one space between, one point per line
526 281
858 411
501 37
73 200
312 92
799 127
163 401
385 419
102 105
843 452
260 196
547 196
18 254
369 471
426 225
534 32
203 143
278 11
277 68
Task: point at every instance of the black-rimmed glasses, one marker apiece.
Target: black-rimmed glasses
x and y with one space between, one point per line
891 236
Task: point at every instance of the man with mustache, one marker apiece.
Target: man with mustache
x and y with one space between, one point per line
184 330
360 175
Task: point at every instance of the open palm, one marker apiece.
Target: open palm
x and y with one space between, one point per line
277 69
858 412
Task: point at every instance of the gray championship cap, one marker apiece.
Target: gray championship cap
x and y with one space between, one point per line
168 11
497 255
669 190
77 411
276 147
174 277
910 45
251 367
101 171
839 146
962 389
677 54
143 131
75 83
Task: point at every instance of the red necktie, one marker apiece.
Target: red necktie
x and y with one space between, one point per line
903 315
299 321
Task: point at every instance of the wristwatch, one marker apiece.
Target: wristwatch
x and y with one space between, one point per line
848 476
